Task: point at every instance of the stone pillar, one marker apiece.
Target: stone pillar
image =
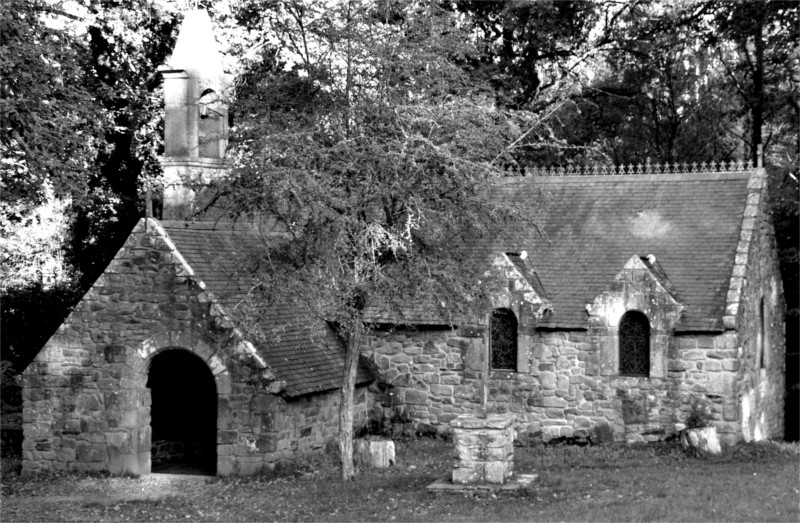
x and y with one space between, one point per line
484 448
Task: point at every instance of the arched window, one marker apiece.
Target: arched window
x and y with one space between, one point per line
634 344
504 340
211 127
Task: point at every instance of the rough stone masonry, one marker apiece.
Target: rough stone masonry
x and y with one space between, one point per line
484 448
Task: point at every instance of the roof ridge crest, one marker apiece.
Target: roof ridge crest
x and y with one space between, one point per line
648 168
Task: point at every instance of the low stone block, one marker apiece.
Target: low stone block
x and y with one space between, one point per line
375 453
466 475
248 468
496 472
702 441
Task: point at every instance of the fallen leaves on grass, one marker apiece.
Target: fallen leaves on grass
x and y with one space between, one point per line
619 483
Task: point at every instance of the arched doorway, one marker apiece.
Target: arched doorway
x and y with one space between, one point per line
183 414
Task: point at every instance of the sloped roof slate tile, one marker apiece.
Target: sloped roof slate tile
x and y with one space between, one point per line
304 353
593 225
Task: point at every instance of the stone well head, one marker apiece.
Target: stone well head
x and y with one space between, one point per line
484 448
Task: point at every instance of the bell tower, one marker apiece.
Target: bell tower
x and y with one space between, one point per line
196 91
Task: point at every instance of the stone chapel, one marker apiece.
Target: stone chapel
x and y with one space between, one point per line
651 299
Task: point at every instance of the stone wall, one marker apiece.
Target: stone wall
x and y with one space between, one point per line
86 406
567 383
760 382
433 377
277 431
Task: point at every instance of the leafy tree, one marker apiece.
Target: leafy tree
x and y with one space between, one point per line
80 112
659 96
757 45
127 41
81 116
376 180
533 51
51 135
52 128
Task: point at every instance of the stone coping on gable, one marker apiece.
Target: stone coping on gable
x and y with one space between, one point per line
755 187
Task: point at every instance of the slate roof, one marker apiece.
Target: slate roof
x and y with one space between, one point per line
594 224
306 354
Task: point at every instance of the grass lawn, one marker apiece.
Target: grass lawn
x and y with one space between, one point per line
757 482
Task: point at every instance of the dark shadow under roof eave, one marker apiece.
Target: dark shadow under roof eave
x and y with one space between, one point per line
298 393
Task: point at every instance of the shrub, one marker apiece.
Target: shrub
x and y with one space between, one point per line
699 416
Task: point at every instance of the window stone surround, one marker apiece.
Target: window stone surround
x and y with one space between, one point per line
635 288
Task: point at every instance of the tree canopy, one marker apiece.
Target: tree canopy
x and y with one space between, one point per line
379 176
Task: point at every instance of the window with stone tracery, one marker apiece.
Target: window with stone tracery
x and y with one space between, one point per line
504 340
634 344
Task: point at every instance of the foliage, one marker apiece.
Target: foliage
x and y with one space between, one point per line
31 247
663 92
699 416
52 128
531 48
40 309
127 42
81 114
602 434
756 43
379 177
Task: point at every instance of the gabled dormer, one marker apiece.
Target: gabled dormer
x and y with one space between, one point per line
514 285
632 320
518 303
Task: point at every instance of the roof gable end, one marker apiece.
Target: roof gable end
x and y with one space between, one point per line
509 285
637 287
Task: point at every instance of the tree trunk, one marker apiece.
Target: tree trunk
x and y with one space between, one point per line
757 105
346 405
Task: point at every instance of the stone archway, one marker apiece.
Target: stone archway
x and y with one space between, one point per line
183 413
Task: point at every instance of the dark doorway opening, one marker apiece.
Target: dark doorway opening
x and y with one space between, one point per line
183 414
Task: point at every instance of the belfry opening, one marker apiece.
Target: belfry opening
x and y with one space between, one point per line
183 414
